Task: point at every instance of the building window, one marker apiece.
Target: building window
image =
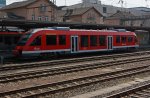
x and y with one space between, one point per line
91 17
102 40
130 39
51 40
36 41
62 40
118 39
123 39
93 40
42 8
39 18
84 41
104 9
46 18
33 17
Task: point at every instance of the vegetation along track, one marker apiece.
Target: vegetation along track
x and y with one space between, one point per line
62 70
66 61
52 88
141 90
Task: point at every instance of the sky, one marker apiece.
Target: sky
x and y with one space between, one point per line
127 3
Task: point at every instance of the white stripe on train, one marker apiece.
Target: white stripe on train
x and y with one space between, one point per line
80 51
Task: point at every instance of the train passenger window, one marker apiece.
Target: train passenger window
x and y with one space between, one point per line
36 41
130 39
16 39
8 40
51 39
84 41
62 40
124 39
93 40
1 39
24 39
102 40
118 39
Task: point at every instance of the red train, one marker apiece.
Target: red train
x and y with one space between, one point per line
59 40
8 40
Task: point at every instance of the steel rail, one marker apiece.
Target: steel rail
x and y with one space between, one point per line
62 70
75 83
66 61
130 91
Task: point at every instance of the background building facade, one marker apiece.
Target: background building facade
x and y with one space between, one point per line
2 3
41 10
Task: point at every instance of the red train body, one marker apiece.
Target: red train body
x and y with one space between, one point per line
63 40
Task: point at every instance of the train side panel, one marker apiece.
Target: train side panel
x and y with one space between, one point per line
43 42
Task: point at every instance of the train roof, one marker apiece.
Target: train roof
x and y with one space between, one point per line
104 30
68 29
10 33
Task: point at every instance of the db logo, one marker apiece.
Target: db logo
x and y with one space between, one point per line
36 48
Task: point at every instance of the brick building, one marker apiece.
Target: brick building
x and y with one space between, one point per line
128 19
142 21
116 19
43 10
81 15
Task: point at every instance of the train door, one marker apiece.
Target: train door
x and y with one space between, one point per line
109 42
74 44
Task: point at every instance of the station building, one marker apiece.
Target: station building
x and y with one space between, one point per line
88 15
42 10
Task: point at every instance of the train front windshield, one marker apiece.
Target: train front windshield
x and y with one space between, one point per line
24 39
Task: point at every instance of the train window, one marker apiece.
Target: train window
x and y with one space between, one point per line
102 40
16 39
51 39
36 41
24 39
93 40
118 39
1 39
8 40
124 39
130 39
84 41
62 40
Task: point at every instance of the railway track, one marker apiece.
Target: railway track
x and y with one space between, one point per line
141 90
62 70
52 88
66 61
27 60
145 93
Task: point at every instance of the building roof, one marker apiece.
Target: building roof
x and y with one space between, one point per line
21 4
144 17
120 15
79 11
110 9
61 13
